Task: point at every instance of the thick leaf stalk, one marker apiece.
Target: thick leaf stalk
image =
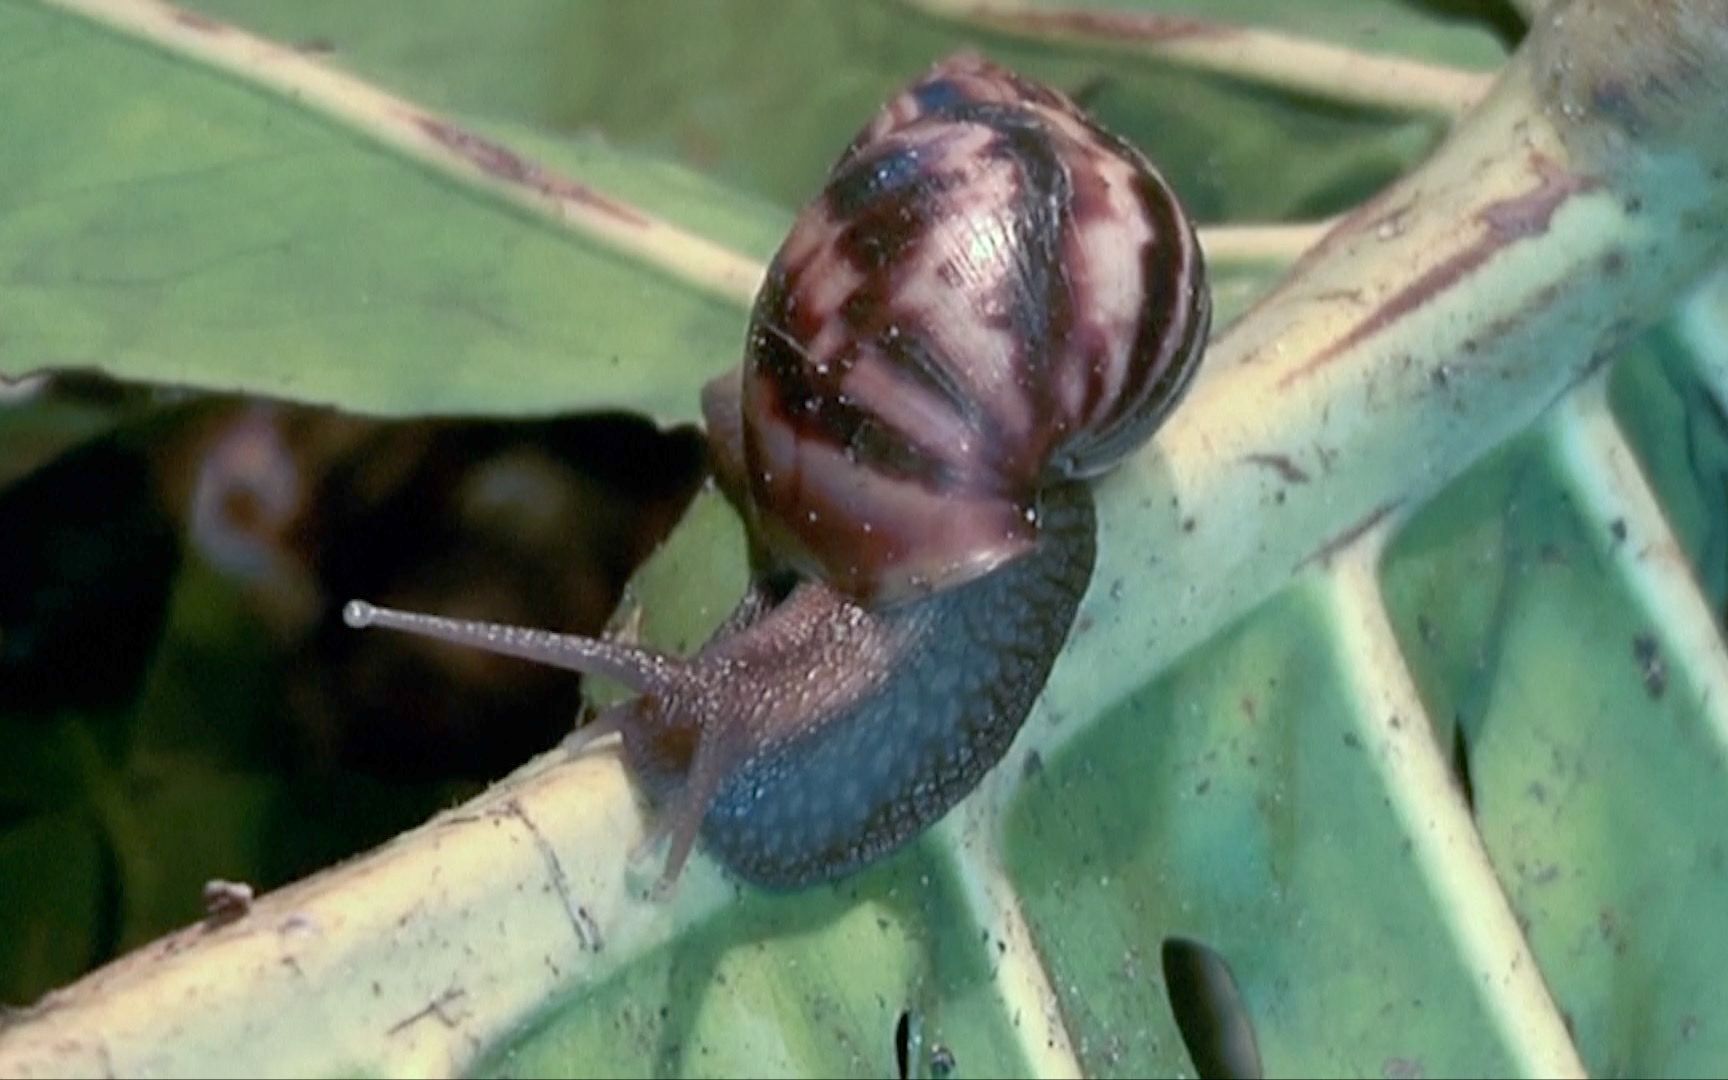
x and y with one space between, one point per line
1571 209
1565 212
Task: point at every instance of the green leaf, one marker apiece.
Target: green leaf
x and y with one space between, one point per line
191 230
54 879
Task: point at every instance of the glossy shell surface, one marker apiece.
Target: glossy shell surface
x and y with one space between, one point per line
990 295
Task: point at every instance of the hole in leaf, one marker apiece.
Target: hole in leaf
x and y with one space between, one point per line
909 1050
1461 765
1209 1011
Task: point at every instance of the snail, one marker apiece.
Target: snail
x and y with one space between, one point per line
991 302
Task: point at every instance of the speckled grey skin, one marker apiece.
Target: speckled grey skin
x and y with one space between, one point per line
824 736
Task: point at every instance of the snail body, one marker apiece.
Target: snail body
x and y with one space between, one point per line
991 301
802 779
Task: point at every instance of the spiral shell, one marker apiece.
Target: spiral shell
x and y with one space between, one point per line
991 294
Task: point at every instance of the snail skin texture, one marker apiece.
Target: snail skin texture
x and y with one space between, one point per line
991 301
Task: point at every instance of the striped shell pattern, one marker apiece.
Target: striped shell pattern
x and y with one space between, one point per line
990 295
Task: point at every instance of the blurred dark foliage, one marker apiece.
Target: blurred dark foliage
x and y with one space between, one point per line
90 556
1498 16
171 649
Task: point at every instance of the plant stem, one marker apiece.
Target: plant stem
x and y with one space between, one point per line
1230 245
1399 740
1269 57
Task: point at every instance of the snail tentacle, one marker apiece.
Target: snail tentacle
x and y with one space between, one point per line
639 668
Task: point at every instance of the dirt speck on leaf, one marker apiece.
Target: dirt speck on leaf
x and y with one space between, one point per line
1651 667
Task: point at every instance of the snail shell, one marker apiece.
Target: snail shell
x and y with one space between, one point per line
990 295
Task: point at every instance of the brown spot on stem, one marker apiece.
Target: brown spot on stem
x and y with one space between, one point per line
1342 540
1507 222
504 164
1105 25
1282 464
204 24
1531 213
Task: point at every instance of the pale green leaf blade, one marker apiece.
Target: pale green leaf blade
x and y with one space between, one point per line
190 230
